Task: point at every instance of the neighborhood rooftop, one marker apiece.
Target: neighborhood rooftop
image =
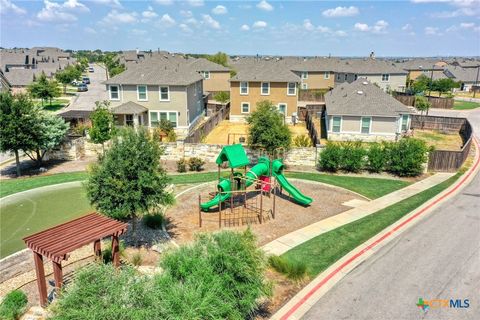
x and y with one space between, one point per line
264 71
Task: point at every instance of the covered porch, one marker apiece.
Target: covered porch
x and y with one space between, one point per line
130 114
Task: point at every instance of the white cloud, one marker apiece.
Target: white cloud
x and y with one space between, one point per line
111 3
209 21
74 5
341 12
138 32
90 30
192 21
467 25
196 3
55 12
219 10
323 29
7 6
407 27
114 17
379 27
164 2
186 13
461 12
166 21
149 13
265 6
259 24
432 31
340 33
244 27
307 24
185 28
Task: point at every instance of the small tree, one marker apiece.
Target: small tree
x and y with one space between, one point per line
444 85
67 75
222 96
102 120
421 84
44 89
423 105
129 180
267 128
18 118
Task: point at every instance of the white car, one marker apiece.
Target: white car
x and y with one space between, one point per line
91 69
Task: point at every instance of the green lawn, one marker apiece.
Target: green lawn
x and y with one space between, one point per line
56 104
369 187
465 105
321 252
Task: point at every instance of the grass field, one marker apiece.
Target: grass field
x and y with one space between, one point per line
56 104
465 105
438 140
321 252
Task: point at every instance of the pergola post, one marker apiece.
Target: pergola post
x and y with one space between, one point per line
115 251
58 275
40 271
97 249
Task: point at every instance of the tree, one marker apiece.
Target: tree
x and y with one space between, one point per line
267 128
444 85
49 132
102 128
44 89
421 84
219 58
129 180
67 75
222 96
18 118
423 105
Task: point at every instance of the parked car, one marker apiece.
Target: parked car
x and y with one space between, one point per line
76 82
86 80
82 88
91 69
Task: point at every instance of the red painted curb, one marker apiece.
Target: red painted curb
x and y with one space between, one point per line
376 242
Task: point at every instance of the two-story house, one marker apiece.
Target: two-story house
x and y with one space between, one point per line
258 81
386 74
215 76
315 73
151 91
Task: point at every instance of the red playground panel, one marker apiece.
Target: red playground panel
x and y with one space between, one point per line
266 186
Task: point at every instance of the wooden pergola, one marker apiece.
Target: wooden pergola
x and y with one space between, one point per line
58 242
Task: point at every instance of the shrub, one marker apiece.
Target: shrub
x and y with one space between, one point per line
407 157
302 141
154 221
222 96
295 270
136 259
377 157
107 251
195 164
13 305
330 157
182 165
352 156
172 136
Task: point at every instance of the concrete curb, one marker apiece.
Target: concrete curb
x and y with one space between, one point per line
309 295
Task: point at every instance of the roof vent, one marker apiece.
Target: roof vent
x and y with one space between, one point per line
365 83
360 92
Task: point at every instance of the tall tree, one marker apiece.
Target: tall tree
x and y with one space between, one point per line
102 124
44 89
444 85
267 128
67 75
18 118
219 58
129 180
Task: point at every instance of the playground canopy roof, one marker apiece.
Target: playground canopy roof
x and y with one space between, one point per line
235 155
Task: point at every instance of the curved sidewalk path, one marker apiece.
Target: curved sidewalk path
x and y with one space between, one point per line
295 238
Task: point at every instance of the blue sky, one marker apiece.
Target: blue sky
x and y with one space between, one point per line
347 28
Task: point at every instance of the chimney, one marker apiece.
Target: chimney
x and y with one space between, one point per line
372 55
138 51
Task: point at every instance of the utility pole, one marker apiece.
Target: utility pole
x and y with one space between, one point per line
475 86
431 81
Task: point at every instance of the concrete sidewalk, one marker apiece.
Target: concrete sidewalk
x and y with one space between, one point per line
293 239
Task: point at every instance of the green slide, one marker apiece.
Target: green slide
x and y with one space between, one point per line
224 186
277 169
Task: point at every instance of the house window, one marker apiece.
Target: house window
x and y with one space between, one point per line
346 77
304 75
164 94
129 120
304 86
292 89
366 123
265 88
282 107
356 77
336 124
338 76
244 88
326 75
405 122
157 116
245 107
206 74
385 77
142 93
114 93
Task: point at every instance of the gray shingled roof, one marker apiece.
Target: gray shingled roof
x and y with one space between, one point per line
21 77
420 64
203 64
152 72
264 71
462 74
128 108
367 66
362 98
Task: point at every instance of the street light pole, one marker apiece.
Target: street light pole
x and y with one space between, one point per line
476 82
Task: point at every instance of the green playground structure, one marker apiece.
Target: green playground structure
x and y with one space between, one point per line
236 157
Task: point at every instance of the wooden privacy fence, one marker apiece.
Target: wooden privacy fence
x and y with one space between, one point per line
205 128
437 102
312 131
446 160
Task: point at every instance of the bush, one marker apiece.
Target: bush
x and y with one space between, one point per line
172 136
195 164
13 305
222 96
136 259
182 165
154 221
302 141
295 270
330 157
377 157
407 157
352 156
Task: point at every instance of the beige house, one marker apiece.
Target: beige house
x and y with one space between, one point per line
147 93
261 81
362 111
315 73
215 76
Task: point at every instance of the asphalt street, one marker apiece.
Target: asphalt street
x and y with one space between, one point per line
437 258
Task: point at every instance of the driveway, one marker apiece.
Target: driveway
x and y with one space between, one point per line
96 91
438 258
